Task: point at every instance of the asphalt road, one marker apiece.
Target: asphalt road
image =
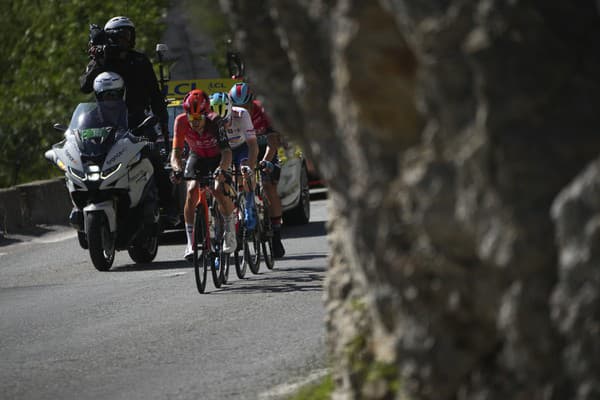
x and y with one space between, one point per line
68 331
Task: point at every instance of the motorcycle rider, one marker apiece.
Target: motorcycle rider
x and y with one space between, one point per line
209 152
112 49
268 141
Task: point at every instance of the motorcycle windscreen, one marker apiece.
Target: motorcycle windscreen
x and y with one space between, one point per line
97 124
99 115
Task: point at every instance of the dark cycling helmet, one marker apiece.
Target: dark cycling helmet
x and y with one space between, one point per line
220 104
196 104
109 86
117 27
240 94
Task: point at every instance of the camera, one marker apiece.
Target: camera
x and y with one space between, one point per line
101 45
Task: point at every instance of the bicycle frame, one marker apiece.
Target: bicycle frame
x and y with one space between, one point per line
203 196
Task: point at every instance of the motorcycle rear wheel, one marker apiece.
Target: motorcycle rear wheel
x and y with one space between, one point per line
144 250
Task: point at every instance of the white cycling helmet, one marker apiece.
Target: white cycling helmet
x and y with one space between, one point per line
109 86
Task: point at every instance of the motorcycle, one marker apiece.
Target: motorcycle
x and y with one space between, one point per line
110 181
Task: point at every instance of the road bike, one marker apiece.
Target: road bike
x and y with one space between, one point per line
247 253
207 243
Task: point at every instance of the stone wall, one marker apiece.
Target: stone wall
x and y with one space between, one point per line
41 202
447 131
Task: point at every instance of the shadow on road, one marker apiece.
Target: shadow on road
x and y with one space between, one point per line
305 256
316 228
158 265
24 235
289 280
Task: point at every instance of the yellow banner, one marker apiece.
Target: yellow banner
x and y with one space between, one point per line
178 89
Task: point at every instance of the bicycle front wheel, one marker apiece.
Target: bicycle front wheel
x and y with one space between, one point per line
216 257
200 250
238 254
250 241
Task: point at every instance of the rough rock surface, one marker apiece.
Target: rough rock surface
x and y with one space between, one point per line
454 136
187 45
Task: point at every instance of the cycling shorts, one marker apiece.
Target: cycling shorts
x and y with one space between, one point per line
200 167
240 155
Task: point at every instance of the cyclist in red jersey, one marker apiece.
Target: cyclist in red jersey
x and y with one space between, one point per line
268 142
209 153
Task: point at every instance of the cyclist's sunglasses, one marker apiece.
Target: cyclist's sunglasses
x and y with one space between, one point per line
194 118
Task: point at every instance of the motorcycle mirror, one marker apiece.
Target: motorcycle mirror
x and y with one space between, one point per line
60 127
161 48
49 155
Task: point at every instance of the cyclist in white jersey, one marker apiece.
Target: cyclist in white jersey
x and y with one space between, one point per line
243 143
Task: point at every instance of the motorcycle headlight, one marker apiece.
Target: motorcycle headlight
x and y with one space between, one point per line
93 173
77 173
110 171
61 165
93 177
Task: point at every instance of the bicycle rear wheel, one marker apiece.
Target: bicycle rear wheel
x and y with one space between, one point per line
266 237
200 250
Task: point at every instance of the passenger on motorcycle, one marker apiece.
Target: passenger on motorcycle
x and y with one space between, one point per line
109 91
242 139
268 142
210 153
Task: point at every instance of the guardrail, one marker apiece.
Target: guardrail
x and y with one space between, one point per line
35 203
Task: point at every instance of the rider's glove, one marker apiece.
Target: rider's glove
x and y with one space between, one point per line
267 166
151 146
246 170
176 176
225 173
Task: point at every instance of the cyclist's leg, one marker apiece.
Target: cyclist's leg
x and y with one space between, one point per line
270 185
224 195
191 200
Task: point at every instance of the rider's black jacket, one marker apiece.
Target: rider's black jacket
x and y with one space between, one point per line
140 82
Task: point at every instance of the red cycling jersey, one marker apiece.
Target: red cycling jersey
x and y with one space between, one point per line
260 119
206 144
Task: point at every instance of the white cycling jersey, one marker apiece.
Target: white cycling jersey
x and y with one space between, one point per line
239 128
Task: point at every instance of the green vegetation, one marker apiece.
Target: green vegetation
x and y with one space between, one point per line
43 53
318 391
369 373
213 22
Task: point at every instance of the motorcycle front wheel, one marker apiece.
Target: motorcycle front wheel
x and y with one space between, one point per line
101 242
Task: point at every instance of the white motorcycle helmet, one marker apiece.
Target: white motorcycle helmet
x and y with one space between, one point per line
121 26
109 86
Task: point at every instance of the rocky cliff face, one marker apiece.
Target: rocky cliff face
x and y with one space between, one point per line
458 140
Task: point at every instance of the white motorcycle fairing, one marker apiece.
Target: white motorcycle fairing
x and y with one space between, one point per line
108 208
